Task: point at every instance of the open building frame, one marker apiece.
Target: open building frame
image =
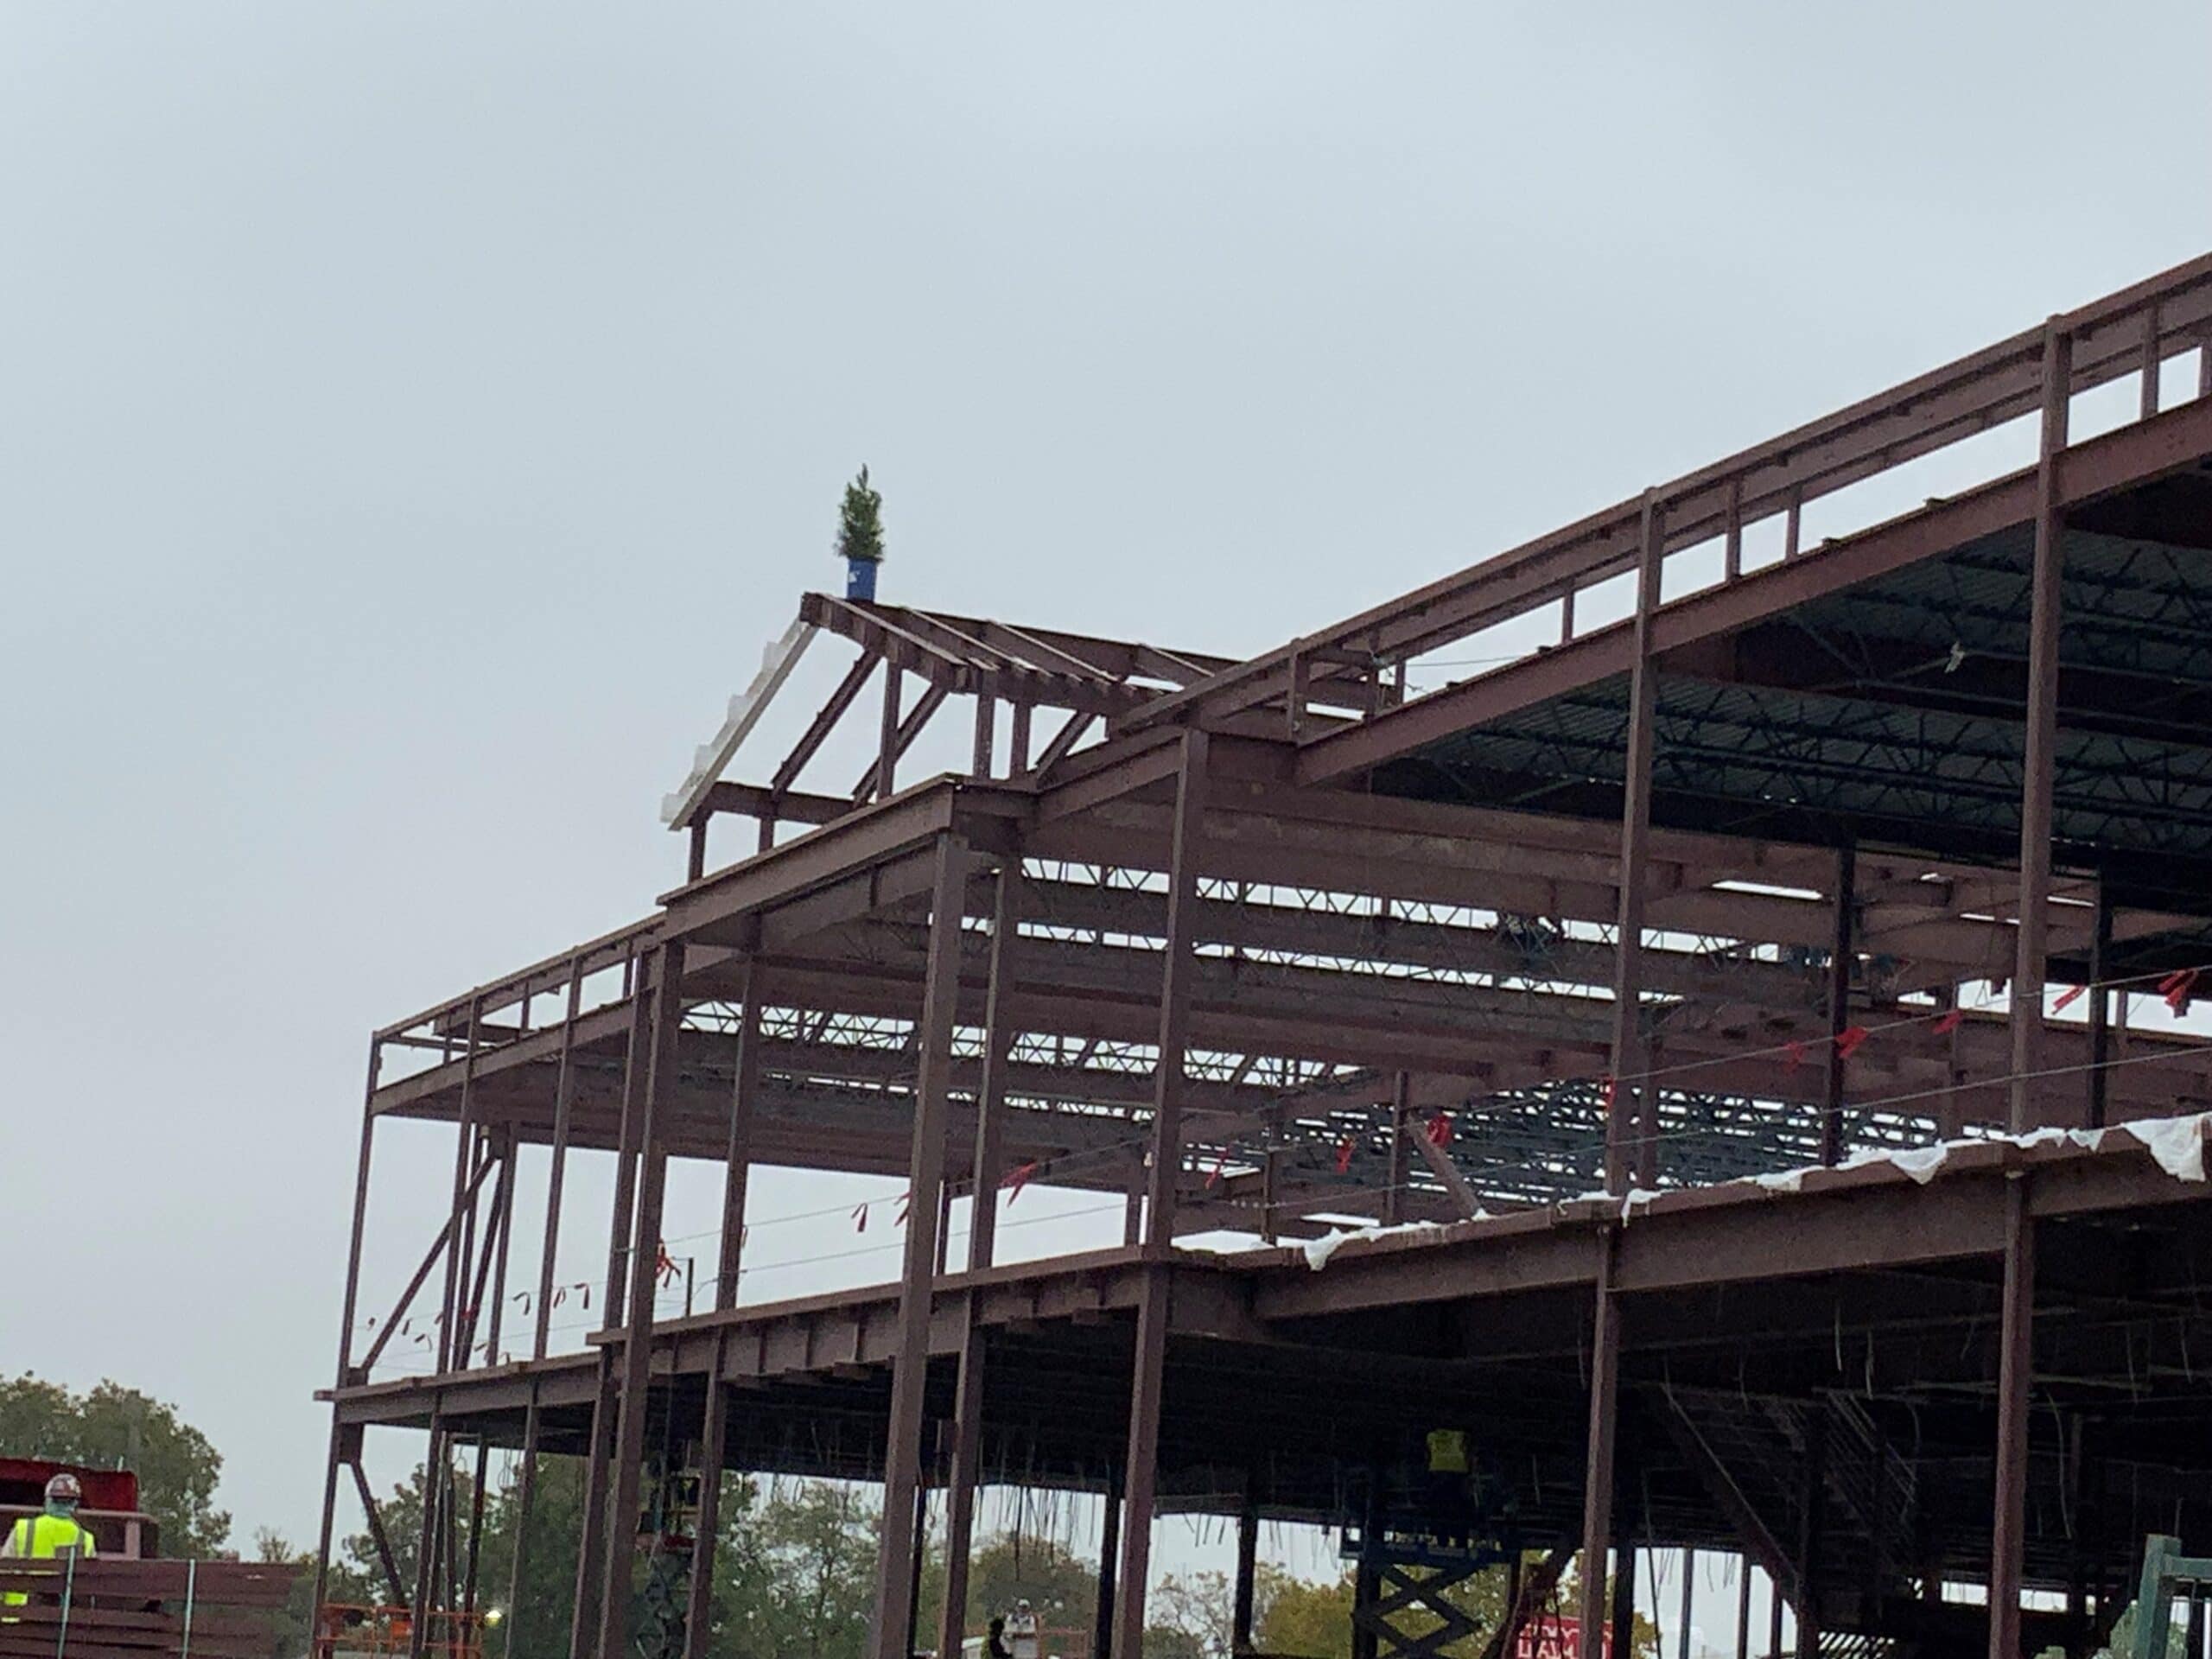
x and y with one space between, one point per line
1563 956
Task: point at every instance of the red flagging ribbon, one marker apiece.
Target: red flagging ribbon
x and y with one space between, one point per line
905 1207
860 1218
2177 987
1016 1178
1848 1041
1950 1021
2069 998
1795 1050
1439 1129
1343 1156
663 1264
1611 1089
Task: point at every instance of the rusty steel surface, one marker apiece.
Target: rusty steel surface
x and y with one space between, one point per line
1709 953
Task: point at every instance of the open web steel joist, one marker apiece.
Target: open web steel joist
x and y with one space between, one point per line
1775 986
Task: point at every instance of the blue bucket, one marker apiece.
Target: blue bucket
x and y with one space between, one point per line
860 578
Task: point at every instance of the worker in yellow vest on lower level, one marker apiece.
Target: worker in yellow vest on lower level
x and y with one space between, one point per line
57 1532
1450 1471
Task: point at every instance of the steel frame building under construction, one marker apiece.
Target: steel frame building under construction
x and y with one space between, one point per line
1645 994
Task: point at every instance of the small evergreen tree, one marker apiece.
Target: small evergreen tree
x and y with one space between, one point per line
860 523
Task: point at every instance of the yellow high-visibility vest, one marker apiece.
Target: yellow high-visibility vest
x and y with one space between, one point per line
42 1537
1447 1452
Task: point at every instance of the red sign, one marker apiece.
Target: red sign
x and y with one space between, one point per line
1547 1637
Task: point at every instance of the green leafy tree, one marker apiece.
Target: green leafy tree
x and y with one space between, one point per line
860 523
1311 1621
819 1543
110 1426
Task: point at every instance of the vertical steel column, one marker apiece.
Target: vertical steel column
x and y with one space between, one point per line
1811 1535
583 1613
1689 1576
1141 1471
1248 1561
1635 836
737 1156
1110 1551
987 721
2147 393
434 1482
474 1553
1175 1006
1774 1619
1743 1607
1140 1464
464 1145
628 1140
349 1310
1840 957
887 753
525 1500
1605 1402
637 1342
1623 1587
694 863
1017 759
2045 597
1401 1109
966 1461
714 1431
910 1370
2008 1534
2100 1006
556 1174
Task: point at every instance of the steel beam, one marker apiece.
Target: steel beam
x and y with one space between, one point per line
1247 1548
910 1371
2039 771
592 1545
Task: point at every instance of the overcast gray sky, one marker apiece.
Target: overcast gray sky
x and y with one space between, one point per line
413 419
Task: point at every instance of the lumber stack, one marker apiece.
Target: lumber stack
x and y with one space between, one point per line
143 1610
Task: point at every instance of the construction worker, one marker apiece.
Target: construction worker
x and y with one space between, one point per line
57 1532
1449 1500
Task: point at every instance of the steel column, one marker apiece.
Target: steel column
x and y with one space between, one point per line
1813 1497
583 1615
464 1145
1018 742
737 1157
887 753
377 1536
525 1500
1840 957
434 1482
1624 1597
1628 1085
1401 1109
982 1235
556 1174
998 1044
1605 1412
910 1370
714 1430
627 1148
1743 1607
2008 1535
1248 1553
2039 772
1186 841
1110 1551
987 717
637 1343
349 1311
2099 1006
1689 1577
1140 1465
